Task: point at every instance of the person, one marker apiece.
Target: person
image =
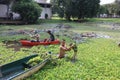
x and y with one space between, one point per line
63 49
118 44
35 35
75 50
46 16
11 15
52 38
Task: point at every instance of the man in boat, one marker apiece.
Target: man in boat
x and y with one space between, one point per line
63 49
52 38
35 35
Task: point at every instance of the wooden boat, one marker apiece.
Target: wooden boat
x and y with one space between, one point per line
34 43
29 72
16 70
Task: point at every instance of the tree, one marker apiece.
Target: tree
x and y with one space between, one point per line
78 8
117 2
111 9
57 9
103 10
28 10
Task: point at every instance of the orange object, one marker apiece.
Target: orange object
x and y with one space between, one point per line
35 43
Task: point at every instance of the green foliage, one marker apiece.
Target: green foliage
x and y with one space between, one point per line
110 9
77 8
98 59
61 12
34 61
28 10
109 20
103 10
9 55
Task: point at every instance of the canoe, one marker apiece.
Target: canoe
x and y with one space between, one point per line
35 43
29 72
16 70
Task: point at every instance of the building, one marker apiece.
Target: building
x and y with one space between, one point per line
46 9
5 6
3 11
6 13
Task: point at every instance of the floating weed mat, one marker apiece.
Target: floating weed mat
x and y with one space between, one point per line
97 59
8 55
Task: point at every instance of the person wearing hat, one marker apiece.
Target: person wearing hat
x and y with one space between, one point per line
52 38
36 36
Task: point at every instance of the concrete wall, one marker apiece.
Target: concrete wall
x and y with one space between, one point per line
41 1
3 11
46 11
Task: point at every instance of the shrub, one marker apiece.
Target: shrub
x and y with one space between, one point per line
28 10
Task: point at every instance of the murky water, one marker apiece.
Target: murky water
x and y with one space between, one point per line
62 30
15 45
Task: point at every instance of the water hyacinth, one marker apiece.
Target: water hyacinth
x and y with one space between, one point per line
97 58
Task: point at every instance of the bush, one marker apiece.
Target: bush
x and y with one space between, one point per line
28 10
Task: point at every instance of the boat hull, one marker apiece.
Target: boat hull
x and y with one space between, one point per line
16 70
15 67
35 43
29 72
